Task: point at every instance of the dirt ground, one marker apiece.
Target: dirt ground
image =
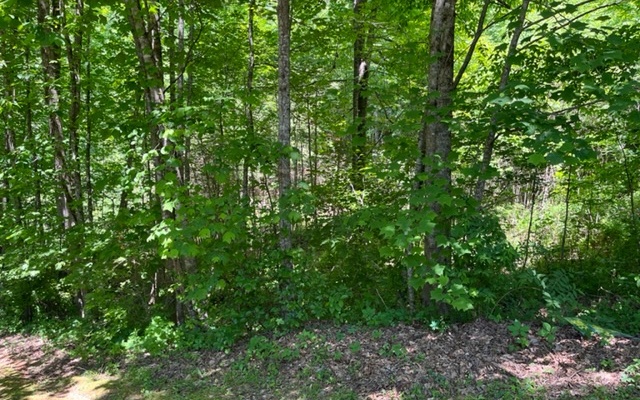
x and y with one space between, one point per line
374 364
31 369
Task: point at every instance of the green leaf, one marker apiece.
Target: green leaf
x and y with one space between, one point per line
228 237
388 231
294 216
537 159
462 304
173 253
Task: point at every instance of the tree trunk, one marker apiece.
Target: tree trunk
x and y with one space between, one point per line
146 35
11 199
360 97
37 201
248 108
284 126
487 152
630 188
49 20
87 151
74 51
435 138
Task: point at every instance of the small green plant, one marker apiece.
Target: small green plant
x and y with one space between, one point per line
519 332
548 332
398 350
376 334
159 336
260 347
355 347
606 364
631 374
437 325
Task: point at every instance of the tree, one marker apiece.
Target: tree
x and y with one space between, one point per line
487 152
432 169
360 95
49 18
284 125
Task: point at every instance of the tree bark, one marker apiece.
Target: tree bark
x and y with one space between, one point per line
10 198
146 35
360 97
37 201
284 126
74 51
567 203
435 138
49 20
248 108
87 150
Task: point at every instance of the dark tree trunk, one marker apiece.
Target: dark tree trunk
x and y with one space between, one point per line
360 97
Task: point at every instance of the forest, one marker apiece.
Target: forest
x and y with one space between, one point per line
187 174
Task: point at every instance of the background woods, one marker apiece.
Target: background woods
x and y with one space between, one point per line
208 169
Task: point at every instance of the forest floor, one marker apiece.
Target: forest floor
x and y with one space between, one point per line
477 360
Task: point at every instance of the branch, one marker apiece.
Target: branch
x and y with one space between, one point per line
569 21
574 108
476 37
536 22
188 58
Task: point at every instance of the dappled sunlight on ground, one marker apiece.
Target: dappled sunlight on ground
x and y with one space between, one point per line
31 370
325 361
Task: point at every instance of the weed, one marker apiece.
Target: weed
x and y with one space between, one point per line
548 332
631 374
355 346
519 332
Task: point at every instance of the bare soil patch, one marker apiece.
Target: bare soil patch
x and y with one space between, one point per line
31 369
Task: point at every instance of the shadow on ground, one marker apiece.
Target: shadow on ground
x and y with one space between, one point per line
13 386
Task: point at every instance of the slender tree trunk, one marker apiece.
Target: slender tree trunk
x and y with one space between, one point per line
145 26
74 51
534 189
487 152
37 201
284 126
631 189
189 99
567 199
182 60
435 139
360 97
87 150
10 198
248 108
49 20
